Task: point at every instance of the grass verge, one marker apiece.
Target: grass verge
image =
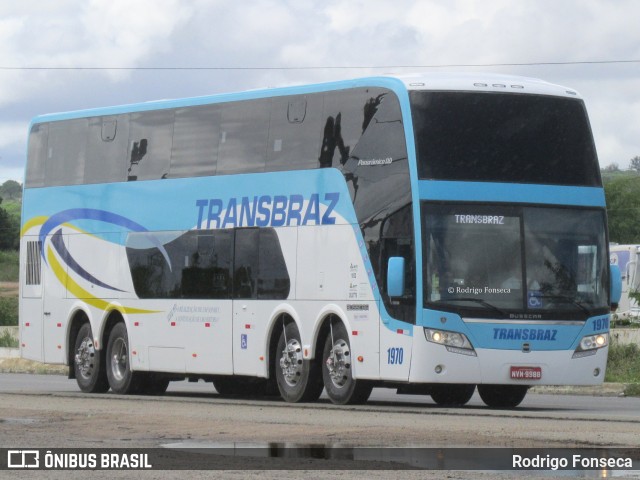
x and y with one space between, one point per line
624 367
7 341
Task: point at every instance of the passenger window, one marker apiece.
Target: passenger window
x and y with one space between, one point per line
150 140
208 270
107 149
37 155
245 272
196 133
273 277
294 133
67 152
244 131
192 264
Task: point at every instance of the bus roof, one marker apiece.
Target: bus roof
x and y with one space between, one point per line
481 82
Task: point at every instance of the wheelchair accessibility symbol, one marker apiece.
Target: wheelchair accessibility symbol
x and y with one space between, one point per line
534 299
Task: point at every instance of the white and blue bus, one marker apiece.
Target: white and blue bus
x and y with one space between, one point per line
428 233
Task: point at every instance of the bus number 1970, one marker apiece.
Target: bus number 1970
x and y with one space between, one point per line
395 356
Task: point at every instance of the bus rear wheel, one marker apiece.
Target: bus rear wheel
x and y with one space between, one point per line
502 396
298 379
88 363
452 395
337 373
121 378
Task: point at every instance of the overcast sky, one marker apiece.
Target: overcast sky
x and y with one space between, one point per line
136 35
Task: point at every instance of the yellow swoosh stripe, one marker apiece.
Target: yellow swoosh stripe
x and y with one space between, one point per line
81 293
33 222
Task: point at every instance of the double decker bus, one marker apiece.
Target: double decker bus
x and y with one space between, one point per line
428 233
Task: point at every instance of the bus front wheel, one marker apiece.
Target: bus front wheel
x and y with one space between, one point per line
88 363
502 396
298 379
337 373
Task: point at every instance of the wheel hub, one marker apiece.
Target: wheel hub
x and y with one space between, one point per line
291 362
339 362
85 357
119 359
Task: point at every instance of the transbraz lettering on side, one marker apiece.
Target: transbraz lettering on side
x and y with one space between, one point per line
267 211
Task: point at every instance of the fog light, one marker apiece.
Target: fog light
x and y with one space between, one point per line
596 372
438 369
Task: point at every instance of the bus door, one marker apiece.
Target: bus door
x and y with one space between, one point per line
247 331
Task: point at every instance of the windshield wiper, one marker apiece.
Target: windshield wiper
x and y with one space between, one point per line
566 299
475 300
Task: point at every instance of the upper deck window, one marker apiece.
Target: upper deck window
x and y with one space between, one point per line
496 137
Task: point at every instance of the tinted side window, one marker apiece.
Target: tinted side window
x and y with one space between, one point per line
364 137
107 149
294 133
196 133
37 155
196 264
150 140
343 123
245 274
273 277
67 152
208 274
244 131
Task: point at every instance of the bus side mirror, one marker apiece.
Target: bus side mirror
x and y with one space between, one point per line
395 277
616 285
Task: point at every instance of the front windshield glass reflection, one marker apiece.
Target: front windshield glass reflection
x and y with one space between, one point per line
499 261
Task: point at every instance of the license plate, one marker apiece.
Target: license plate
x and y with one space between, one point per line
526 373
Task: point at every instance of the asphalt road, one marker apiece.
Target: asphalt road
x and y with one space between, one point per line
48 411
600 408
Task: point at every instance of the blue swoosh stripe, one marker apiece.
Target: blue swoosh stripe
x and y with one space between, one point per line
60 247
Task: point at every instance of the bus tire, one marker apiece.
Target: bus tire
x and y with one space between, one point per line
502 396
452 395
121 378
341 387
89 363
298 379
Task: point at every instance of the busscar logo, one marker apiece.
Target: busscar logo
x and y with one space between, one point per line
23 459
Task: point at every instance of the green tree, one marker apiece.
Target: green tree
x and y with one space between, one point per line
634 164
11 190
623 209
9 230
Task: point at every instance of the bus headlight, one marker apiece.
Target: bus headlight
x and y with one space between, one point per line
590 343
454 342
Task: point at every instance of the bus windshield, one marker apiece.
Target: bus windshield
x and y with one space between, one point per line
501 137
515 262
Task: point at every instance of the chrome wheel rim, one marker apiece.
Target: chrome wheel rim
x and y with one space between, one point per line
339 363
85 357
291 362
119 359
